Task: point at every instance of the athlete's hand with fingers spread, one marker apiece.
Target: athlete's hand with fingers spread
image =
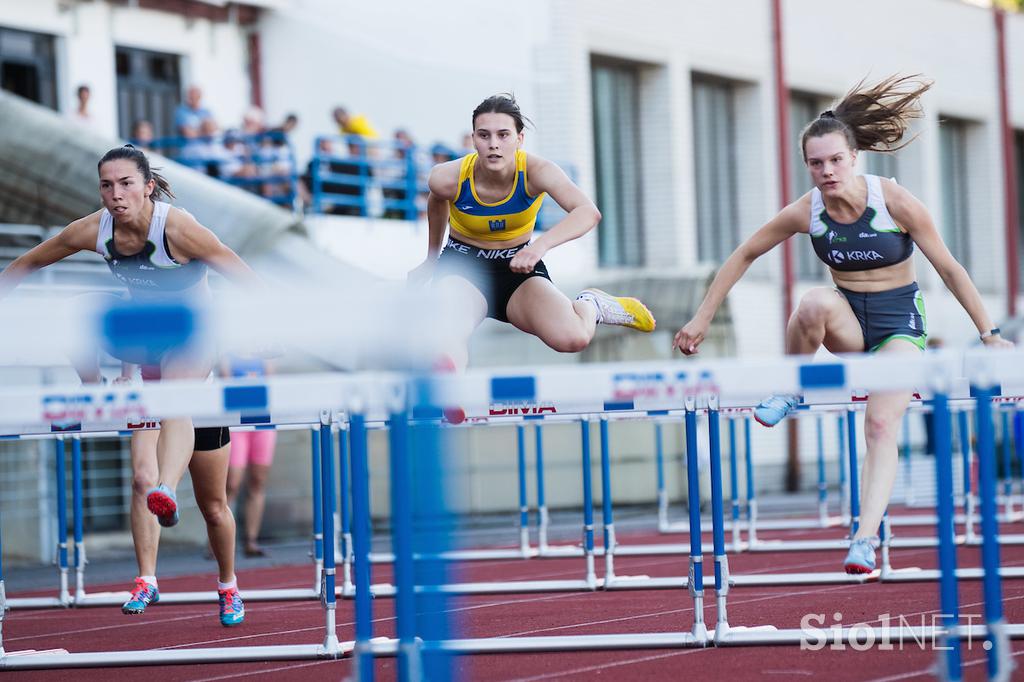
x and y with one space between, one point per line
422 273
526 258
690 337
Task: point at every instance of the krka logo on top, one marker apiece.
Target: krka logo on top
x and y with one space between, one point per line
496 225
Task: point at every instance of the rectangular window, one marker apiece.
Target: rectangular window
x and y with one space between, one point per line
616 100
27 66
955 210
714 152
882 164
803 108
1018 145
148 88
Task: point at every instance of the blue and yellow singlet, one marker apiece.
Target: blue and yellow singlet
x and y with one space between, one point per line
512 217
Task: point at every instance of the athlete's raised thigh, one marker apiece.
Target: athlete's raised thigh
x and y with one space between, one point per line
842 330
539 308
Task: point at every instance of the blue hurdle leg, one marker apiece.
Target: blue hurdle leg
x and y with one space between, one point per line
696 574
327 594
734 486
588 505
851 436
318 521
361 541
950 658
344 503
410 665
1004 418
77 516
909 497
524 506
844 491
430 541
965 454
542 504
659 464
718 521
999 663
62 519
751 490
822 482
606 505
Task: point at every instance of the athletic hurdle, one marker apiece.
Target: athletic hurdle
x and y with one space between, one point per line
873 373
298 395
80 597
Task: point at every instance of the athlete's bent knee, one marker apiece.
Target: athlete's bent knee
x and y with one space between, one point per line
215 512
879 429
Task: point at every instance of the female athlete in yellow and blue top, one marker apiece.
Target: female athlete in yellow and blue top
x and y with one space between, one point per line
489 267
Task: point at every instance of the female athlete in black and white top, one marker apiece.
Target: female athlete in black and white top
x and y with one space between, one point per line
158 252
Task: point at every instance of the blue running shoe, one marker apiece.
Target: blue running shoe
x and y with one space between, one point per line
774 409
162 502
143 595
861 557
232 611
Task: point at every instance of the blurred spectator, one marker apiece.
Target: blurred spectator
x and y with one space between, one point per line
252 453
330 168
189 115
238 163
290 123
467 143
142 134
81 114
253 121
439 153
354 124
393 175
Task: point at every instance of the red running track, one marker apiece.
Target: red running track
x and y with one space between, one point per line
174 626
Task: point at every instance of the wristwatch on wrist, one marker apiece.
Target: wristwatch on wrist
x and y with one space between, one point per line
990 332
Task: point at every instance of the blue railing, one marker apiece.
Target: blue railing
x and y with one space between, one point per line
374 179
381 179
263 164
347 174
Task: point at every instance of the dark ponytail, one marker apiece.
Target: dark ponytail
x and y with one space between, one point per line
505 103
131 153
873 118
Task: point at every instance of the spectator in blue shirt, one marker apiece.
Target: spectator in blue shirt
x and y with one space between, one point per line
189 116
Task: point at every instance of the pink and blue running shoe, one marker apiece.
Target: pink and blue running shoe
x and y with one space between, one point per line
162 502
861 557
232 611
143 594
774 409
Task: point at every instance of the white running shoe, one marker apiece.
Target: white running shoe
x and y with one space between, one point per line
622 311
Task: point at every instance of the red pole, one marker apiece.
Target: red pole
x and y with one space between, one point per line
255 69
1009 170
782 123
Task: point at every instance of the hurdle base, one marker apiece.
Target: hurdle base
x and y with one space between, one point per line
43 660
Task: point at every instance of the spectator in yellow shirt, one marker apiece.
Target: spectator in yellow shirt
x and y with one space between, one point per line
354 124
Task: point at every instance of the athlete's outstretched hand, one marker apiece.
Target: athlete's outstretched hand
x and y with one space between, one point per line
690 337
526 258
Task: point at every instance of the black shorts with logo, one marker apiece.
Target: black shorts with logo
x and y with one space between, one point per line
487 270
887 315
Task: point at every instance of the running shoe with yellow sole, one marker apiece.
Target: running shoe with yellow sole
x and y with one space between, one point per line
622 311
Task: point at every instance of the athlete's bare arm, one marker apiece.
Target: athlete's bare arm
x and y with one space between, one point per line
189 240
80 235
791 220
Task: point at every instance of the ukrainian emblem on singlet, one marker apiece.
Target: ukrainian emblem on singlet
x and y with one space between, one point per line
496 225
